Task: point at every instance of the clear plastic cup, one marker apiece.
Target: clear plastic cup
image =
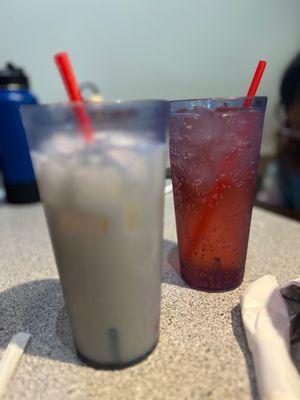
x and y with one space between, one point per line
214 152
103 202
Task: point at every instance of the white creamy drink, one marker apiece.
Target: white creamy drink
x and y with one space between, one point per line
104 207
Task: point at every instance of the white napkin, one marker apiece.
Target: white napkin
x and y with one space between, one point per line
267 324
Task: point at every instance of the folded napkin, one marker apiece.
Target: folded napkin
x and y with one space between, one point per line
268 320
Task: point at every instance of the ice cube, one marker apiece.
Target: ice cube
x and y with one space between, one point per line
63 143
123 139
54 178
192 129
133 163
122 157
96 189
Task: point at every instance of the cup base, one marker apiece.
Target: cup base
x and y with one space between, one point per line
106 366
213 288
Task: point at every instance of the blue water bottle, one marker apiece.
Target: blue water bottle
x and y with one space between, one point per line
15 162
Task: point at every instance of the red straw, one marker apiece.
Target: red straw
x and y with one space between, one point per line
64 66
255 81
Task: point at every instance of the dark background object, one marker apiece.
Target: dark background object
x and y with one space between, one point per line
15 162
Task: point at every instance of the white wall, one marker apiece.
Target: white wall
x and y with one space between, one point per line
154 48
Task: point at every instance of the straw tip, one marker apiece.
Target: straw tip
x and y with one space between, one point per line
59 55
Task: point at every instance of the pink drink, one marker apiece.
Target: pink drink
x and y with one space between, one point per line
214 156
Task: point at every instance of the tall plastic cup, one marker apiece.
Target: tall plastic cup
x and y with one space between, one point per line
103 202
214 152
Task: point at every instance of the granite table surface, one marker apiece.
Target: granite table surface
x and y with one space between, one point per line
202 352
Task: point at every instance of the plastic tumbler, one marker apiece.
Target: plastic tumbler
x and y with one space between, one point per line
214 152
15 163
103 201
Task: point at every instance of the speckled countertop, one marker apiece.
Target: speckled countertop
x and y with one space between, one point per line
202 353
